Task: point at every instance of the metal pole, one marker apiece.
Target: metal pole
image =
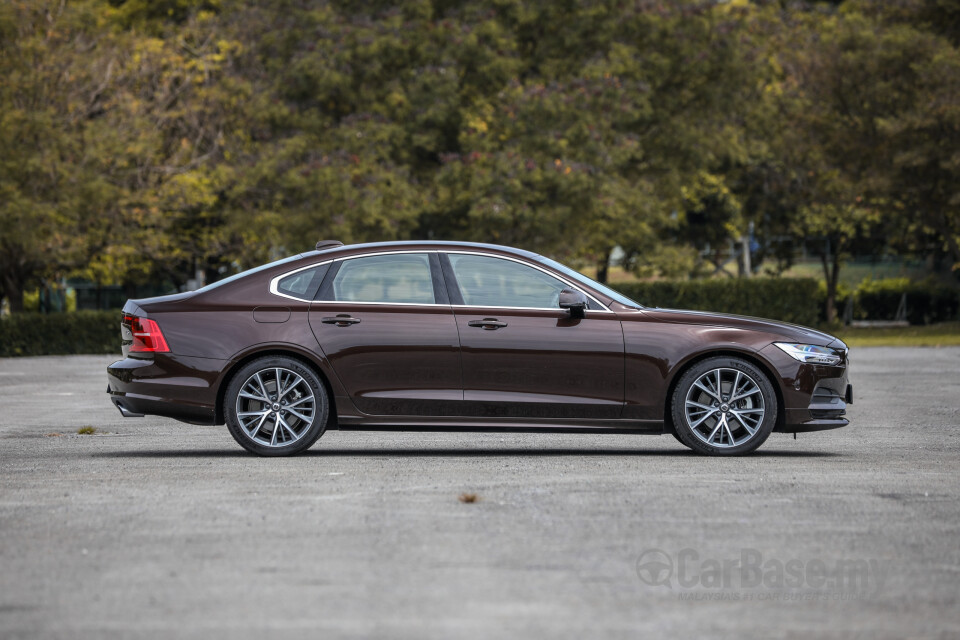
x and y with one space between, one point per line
745 240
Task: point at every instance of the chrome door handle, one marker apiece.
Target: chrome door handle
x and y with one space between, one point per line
342 320
490 324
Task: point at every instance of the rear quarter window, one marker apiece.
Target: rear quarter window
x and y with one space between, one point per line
303 284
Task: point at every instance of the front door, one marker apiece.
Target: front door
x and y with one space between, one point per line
386 326
522 355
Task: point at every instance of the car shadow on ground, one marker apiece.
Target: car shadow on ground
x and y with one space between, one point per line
450 452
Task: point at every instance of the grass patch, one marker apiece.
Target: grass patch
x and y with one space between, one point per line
935 335
468 498
87 430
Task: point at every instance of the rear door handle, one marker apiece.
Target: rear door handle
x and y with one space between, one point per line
490 324
342 320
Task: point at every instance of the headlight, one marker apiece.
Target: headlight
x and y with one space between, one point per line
809 353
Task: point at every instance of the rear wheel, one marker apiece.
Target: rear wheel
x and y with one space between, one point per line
723 406
276 406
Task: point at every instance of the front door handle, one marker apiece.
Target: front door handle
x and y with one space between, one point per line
342 320
490 324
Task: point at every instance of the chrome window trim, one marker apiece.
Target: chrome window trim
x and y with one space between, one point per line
274 283
474 306
384 304
450 306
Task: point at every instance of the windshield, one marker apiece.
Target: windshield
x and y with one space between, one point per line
596 286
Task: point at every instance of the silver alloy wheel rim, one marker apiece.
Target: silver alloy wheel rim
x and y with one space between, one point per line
276 407
724 408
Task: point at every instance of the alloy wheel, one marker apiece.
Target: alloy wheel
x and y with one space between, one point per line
276 407
724 407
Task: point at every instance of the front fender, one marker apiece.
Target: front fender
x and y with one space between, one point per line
657 352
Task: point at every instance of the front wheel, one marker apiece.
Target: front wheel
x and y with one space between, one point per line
723 406
276 406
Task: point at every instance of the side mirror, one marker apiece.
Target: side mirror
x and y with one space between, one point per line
573 300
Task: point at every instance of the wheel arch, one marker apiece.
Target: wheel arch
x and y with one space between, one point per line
750 356
276 350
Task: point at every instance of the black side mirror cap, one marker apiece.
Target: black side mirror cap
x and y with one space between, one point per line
573 300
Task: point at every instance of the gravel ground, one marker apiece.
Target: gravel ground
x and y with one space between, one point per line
152 528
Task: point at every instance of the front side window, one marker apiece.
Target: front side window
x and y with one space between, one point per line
579 277
394 278
485 281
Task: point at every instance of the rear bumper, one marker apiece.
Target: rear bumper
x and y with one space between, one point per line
183 388
136 406
122 403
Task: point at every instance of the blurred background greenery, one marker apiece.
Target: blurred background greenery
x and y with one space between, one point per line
151 146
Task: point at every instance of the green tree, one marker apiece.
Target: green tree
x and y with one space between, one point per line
921 67
143 141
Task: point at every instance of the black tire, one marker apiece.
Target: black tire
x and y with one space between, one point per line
290 434
757 410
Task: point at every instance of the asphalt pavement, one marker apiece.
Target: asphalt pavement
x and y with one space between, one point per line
153 528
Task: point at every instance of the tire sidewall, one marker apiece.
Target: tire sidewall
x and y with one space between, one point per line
313 381
683 431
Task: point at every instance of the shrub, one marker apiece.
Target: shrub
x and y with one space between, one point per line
787 299
844 295
36 334
927 301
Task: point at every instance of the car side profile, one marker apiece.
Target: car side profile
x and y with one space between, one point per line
454 336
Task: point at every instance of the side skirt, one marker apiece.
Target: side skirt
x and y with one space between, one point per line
426 424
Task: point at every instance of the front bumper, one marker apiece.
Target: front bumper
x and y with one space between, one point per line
815 397
179 387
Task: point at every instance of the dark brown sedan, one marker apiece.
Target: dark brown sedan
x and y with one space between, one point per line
471 337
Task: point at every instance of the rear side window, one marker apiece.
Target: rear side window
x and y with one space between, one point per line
396 278
303 284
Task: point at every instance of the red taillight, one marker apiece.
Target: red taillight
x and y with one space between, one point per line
147 336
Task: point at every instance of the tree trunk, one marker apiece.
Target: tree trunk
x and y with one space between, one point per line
603 267
954 248
13 289
831 275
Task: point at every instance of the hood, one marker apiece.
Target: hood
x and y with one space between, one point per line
791 332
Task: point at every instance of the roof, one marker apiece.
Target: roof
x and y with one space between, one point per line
350 249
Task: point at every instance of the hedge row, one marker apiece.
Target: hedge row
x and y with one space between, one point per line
36 334
791 300
926 302
799 300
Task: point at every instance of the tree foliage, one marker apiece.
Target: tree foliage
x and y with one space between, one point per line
145 141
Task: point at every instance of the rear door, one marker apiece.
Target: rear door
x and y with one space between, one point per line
522 355
385 323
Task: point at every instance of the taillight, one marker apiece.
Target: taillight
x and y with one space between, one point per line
147 337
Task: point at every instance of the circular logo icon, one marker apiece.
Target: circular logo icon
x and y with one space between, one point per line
655 568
